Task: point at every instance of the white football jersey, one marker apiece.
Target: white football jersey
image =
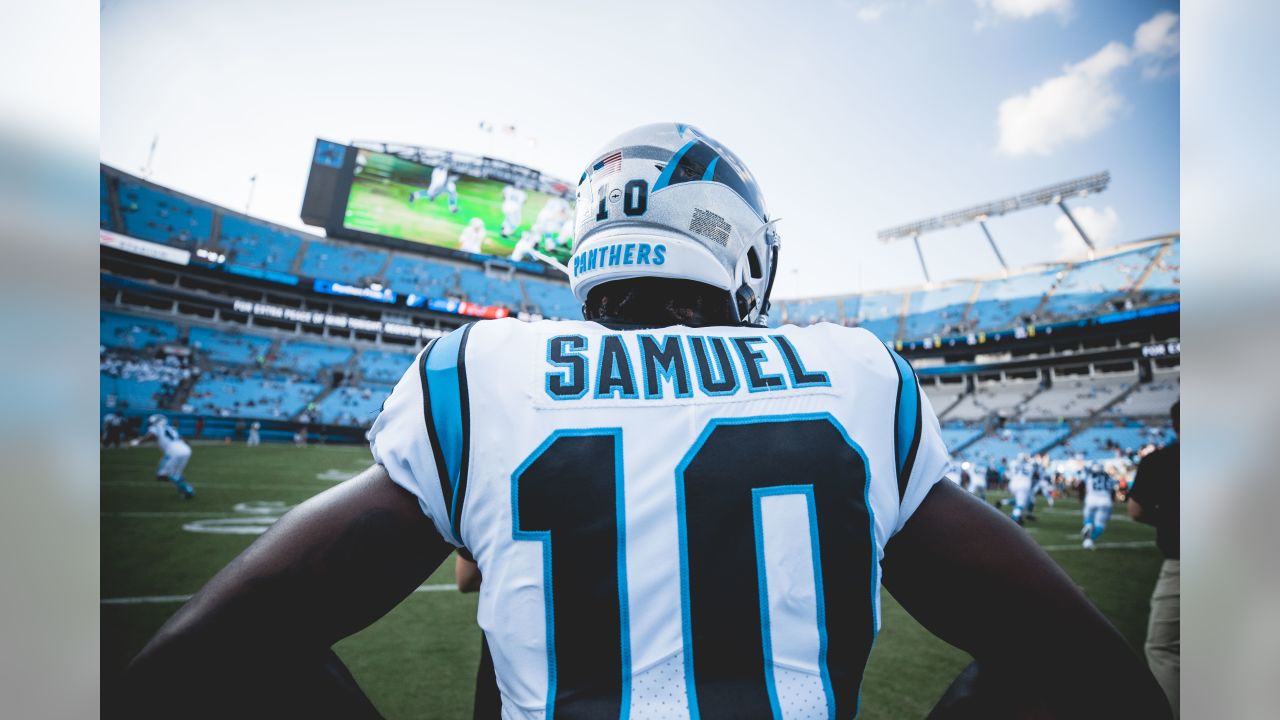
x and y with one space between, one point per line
439 175
166 436
1098 487
512 199
1020 475
676 522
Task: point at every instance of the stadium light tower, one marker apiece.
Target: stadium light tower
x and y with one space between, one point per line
1056 194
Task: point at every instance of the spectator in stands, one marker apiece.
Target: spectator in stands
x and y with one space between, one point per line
1154 500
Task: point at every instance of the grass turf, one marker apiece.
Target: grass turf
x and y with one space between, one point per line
419 660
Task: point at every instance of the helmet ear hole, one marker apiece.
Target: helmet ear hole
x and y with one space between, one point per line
753 262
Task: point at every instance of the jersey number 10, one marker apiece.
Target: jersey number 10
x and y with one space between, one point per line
569 495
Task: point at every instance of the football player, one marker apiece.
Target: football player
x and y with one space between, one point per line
1020 477
978 481
472 237
1099 494
176 453
441 181
677 511
512 209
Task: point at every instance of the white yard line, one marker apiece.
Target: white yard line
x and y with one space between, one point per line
162 599
1131 545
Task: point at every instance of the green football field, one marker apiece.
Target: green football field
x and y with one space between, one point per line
419 660
379 204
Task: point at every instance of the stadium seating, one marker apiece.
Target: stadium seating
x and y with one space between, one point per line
937 312
309 357
354 406
1015 438
1077 396
811 312
129 331
229 347
553 300
958 435
880 313
246 242
1164 281
1088 285
423 277
1152 399
163 217
383 366
1108 439
104 203
489 290
1003 303
942 395
344 263
1000 397
126 393
254 395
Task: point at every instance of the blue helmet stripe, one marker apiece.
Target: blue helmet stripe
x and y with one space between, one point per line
665 178
711 169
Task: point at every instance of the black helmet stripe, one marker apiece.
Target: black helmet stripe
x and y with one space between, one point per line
692 163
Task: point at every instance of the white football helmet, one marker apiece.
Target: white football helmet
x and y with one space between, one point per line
665 200
157 419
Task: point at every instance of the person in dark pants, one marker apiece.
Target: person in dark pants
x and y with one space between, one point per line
488 703
1154 500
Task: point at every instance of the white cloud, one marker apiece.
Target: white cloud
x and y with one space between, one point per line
1072 106
870 13
1020 10
1083 100
1157 42
1102 226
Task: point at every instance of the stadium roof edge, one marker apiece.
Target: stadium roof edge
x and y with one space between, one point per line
1071 261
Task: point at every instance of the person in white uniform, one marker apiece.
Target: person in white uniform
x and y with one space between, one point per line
441 181
176 453
1099 495
677 511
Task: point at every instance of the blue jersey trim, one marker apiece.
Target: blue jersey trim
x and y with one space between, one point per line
906 438
445 382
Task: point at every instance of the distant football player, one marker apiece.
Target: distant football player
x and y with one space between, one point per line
512 209
255 438
441 181
1099 494
112 430
524 247
176 453
1020 472
1043 485
978 481
472 238
677 511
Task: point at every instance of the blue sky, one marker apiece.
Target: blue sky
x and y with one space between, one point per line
853 115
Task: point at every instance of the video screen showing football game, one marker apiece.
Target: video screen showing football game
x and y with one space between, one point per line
439 206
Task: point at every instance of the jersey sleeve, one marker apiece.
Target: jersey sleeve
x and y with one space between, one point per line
921 454
406 438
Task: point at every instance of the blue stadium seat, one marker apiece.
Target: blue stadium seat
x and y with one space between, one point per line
957 435
127 331
811 312
879 313
353 406
229 347
1002 304
1105 440
130 394
255 244
937 312
163 217
1088 285
423 277
553 300
484 290
340 262
383 366
252 396
1015 438
308 357
1165 281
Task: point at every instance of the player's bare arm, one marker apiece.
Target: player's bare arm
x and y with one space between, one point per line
256 639
981 583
